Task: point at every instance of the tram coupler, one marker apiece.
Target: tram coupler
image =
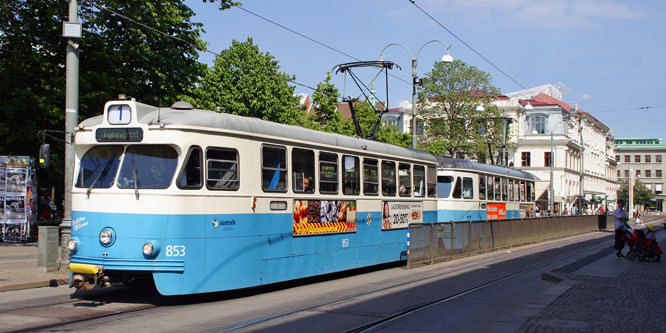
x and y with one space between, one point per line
86 276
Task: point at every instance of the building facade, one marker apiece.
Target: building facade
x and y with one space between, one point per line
644 158
553 140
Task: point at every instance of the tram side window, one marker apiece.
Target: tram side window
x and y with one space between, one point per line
351 184
522 191
504 190
98 167
405 179
432 182
303 166
444 185
457 189
491 188
328 173
222 169
370 177
530 192
498 189
516 190
482 187
468 188
274 169
419 181
388 178
510 189
148 166
190 176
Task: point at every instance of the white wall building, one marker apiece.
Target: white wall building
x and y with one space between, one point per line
545 129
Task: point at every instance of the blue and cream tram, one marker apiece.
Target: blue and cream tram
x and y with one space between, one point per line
205 201
470 191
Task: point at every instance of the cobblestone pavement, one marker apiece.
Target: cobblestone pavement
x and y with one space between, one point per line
635 301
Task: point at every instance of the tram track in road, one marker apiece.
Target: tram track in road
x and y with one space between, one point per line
295 312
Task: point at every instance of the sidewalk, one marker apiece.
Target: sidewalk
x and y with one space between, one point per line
18 268
604 294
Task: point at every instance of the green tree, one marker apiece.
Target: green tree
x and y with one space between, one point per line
247 82
642 195
448 100
326 101
116 56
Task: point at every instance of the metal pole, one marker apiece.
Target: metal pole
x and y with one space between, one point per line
632 181
414 146
582 161
71 120
552 161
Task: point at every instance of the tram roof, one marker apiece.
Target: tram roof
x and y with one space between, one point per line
204 118
460 164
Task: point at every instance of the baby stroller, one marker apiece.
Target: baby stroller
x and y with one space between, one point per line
641 248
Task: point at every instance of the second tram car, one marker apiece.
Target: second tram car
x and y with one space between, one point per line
470 191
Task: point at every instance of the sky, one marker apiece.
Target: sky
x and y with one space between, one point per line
609 55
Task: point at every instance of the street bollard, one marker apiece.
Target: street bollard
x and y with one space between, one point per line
47 254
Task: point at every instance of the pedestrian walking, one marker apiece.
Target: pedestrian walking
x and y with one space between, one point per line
620 221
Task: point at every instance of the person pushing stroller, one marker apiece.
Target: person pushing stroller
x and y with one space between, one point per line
620 219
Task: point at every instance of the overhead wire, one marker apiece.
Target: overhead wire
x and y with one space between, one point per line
203 49
468 46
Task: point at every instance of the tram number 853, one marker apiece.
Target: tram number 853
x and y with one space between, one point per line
175 250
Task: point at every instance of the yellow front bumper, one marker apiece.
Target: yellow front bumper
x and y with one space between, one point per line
83 268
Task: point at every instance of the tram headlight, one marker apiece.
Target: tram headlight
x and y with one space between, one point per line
106 237
151 249
73 245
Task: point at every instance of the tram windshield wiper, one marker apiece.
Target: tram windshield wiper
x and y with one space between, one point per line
136 179
104 171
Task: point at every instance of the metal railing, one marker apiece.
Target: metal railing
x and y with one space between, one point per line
442 241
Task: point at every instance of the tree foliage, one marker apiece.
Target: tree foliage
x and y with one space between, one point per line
642 195
116 56
448 101
326 101
247 82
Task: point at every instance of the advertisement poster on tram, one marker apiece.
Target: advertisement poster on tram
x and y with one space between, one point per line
318 217
399 214
496 211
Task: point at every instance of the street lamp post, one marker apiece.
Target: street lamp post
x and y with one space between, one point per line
446 58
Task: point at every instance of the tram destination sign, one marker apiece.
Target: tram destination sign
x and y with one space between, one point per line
126 134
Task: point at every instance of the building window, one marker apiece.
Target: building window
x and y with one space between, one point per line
658 158
538 125
638 173
648 158
617 158
420 125
657 189
618 173
626 173
648 173
627 158
546 159
637 158
658 173
525 158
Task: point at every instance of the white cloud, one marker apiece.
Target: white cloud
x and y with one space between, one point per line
586 96
536 13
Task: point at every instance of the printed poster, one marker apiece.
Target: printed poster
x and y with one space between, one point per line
399 214
14 232
496 211
15 208
16 178
318 217
3 178
2 208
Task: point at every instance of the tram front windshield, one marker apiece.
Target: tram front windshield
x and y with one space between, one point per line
98 167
